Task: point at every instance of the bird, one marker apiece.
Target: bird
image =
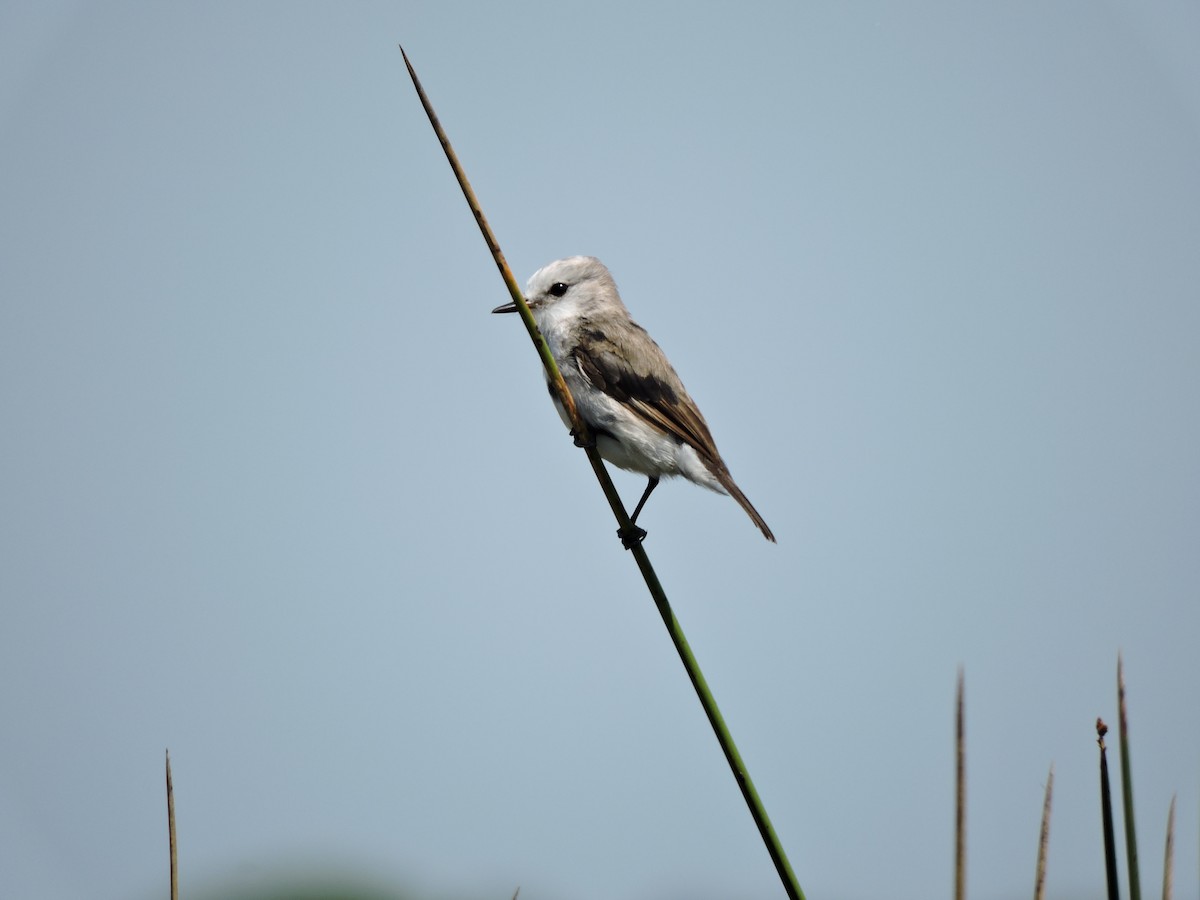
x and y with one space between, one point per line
640 416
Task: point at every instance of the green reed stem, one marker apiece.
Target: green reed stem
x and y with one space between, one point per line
1131 853
171 832
960 793
1169 853
1039 880
724 738
1106 817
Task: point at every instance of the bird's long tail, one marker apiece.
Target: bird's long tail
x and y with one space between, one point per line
735 492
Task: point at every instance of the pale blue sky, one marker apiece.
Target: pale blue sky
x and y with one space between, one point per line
278 492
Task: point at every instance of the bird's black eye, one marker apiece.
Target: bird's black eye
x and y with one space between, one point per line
558 288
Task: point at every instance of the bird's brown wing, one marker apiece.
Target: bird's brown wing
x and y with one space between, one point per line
628 366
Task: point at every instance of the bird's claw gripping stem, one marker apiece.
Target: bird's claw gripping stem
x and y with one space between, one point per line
631 535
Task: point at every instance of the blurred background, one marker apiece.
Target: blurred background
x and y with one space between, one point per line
278 493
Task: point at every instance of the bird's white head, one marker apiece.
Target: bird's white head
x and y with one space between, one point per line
569 288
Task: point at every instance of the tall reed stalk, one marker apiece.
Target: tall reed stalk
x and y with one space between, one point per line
580 430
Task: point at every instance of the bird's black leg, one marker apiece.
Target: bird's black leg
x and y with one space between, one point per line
634 535
653 483
580 442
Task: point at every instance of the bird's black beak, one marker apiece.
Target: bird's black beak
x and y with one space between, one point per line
507 307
